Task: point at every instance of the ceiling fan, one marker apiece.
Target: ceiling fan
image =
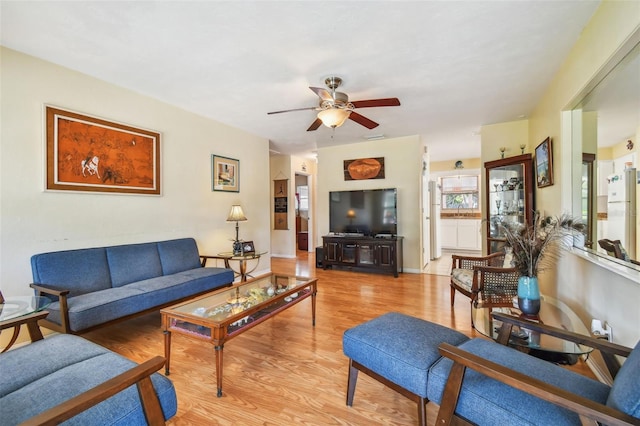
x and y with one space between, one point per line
334 107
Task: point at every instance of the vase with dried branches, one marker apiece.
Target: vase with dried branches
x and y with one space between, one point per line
535 248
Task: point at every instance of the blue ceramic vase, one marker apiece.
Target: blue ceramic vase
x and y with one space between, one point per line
528 295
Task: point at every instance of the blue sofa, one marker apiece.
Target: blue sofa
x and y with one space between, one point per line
93 286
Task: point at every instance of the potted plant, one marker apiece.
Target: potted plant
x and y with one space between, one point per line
535 248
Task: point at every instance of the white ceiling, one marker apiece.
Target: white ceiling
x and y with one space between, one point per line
454 65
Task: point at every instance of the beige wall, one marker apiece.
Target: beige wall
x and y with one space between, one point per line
403 170
590 289
444 166
33 220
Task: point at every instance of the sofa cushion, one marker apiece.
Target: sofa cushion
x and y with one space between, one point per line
35 378
133 262
625 392
399 347
95 308
178 255
80 271
487 401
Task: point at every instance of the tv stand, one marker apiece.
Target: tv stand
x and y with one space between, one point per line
382 254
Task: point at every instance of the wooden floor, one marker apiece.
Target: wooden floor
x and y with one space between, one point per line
286 371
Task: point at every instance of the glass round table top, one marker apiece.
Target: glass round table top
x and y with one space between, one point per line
552 312
14 307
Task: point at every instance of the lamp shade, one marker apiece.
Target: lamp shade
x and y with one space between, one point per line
333 117
236 214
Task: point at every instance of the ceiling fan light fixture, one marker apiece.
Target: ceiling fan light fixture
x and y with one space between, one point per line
333 117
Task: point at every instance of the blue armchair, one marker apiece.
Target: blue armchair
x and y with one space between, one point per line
65 378
483 382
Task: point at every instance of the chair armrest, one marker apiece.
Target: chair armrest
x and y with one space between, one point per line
62 295
31 321
139 375
204 258
538 388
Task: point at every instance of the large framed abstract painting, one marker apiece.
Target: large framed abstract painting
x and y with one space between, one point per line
90 154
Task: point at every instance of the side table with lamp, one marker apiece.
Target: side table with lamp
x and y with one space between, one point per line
242 252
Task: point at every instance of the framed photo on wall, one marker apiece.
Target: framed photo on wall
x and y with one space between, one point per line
544 164
86 153
225 174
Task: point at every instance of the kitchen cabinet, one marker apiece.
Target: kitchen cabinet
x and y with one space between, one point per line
463 234
509 196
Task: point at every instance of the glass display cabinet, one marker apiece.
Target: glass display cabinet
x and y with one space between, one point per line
509 194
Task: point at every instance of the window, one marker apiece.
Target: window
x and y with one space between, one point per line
460 192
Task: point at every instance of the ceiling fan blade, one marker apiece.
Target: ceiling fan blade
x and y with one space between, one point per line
289 110
322 93
362 120
315 125
376 103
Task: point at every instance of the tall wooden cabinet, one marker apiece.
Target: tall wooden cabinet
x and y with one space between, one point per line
509 196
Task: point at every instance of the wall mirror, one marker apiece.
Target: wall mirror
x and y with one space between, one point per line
606 131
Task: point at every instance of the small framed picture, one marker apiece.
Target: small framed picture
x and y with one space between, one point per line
544 164
247 247
225 174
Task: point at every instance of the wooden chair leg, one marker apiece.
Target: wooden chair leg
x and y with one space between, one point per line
351 383
422 411
453 295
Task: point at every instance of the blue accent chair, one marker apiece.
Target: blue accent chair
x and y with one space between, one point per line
65 379
483 382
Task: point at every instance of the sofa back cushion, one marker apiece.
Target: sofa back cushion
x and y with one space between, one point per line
133 262
80 271
178 255
625 392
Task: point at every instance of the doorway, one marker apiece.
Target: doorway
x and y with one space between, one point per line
303 209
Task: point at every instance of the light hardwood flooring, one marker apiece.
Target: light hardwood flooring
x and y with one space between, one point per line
286 371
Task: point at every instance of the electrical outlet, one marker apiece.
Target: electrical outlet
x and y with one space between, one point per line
600 331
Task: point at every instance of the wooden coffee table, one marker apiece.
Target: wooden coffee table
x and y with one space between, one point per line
219 316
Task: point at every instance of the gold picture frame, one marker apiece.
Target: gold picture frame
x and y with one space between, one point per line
544 163
90 154
225 174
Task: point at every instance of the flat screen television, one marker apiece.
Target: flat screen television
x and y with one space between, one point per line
369 212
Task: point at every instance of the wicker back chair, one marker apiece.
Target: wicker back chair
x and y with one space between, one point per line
466 277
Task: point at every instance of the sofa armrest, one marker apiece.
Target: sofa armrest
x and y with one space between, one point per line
204 258
139 375
607 349
540 389
62 295
31 321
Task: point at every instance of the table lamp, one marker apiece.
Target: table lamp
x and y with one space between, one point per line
236 215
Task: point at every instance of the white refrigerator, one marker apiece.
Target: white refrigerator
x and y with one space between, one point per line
621 210
435 198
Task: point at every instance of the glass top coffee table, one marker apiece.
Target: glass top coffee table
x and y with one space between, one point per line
219 316
553 313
